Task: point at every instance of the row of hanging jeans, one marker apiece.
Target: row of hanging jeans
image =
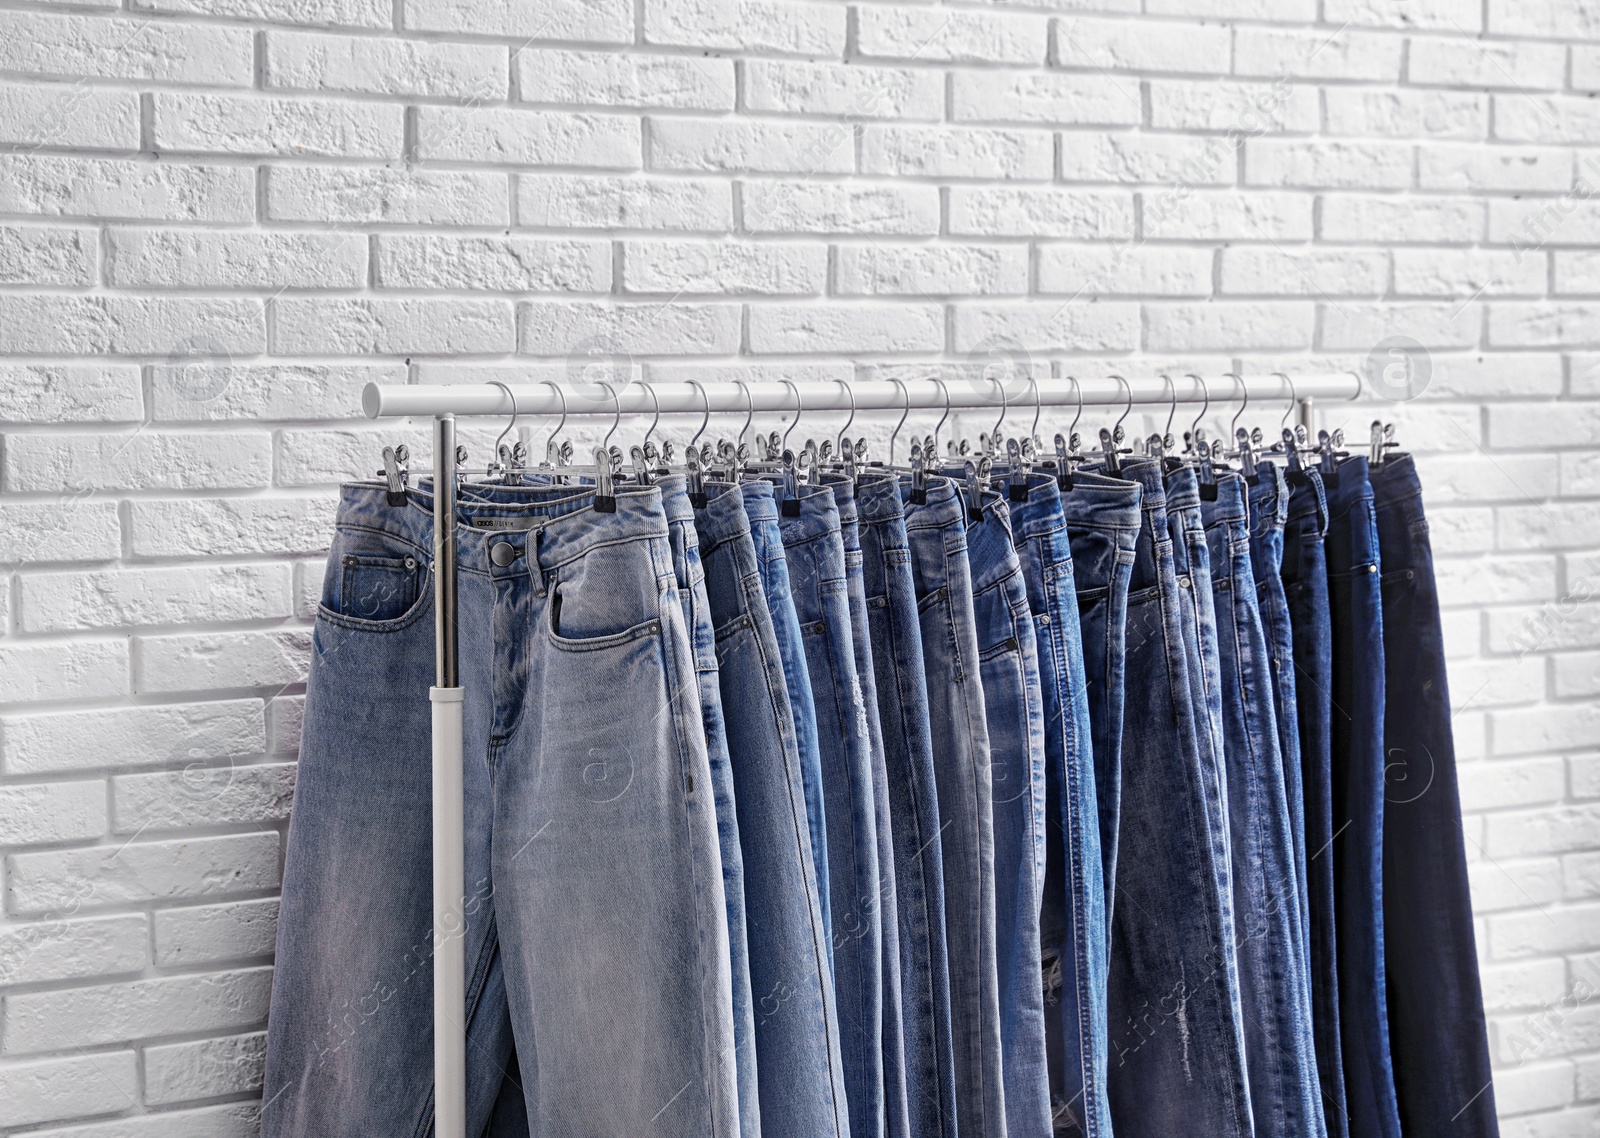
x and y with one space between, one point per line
1115 804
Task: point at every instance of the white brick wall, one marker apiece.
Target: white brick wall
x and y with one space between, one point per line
220 218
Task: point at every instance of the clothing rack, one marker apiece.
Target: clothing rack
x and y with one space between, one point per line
445 401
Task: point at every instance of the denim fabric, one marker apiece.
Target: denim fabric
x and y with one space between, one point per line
582 719
1356 610
1103 520
1013 700
1280 1056
814 548
894 1065
1072 921
913 807
1305 584
1177 1048
936 535
1269 507
762 509
1192 562
697 616
798 1060
1436 1027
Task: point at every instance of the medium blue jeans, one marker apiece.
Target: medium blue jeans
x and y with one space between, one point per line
582 719
1436 1028
762 509
1013 700
936 533
1356 609
897 658
1177 1048
1280 1056
814 547
1072 918
896 1109
1103 520
1305 584
799 1068
697 616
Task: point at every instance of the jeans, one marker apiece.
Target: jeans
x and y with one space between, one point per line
1103 520
762 509
1013 700
814 548
697 616
936 533
1436 1026
1072 918
897 659
1305 585
1274 992
1177 1049
1356 610
1269 507
798 1064
582 719
894 1066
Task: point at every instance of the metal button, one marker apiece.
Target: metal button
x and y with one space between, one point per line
1044 618
502 553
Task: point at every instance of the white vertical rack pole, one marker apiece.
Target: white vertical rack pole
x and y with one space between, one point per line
445 401
449 858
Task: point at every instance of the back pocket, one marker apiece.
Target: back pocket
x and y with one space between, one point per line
376 588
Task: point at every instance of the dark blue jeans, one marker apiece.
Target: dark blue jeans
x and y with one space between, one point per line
1072 921
799 1071
1356 611
1436 1027
894 1063
1013 700
1177 1047
936 533
1274 991
814 549
897 662
1305 585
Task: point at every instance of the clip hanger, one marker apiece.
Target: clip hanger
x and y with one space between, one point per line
977 478
1382 440
919 473
394 473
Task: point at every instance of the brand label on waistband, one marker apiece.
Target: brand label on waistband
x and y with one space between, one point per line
515 525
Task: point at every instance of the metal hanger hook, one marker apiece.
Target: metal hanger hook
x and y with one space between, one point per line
704 418
904 411
656 401
1172 408
1126 411
749 411
1205 389
1033 431
799 407
939 428
1078 390
1005 405
617 419
511 395
1245 392
560 423
1294 399
838 440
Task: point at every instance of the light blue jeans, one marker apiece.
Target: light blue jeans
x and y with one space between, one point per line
590 820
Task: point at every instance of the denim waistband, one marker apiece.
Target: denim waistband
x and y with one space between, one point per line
1098 501
844 494
1231 504
1394 480
1153 485
723 519
817 520
759 501
553 524
992 543
1269 498
946 505
1310 500
675 497
878 498
1354 488
1183 489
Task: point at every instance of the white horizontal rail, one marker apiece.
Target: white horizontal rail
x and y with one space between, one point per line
395 400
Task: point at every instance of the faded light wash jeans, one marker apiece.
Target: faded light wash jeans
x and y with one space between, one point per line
583 719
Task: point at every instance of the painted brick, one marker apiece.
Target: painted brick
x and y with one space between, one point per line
1544 20
795 329
615 80
1083 325
43 1021
1004 211
931 270
203 661
498 264
758 146
1272 269
202 934
186 258
93 325
1049 98
237 124
206 1068
52 186
59 116
46 882
835 207
40 813
56 602
1360 325
1123 45
236 1120
1136 157
1406 113
589 202
1207 327
86 669
360 326
374 65
592 21
1240 108
1327 165
79 530
53 393
318 13
381 196
555 328
1456 60
125 737
1493 168
1402 220
674 267
527 138
852 91
1315 54
46 1090
951 35
1215 215
81 46
41 951
760 26
942 152
147 460
211 392
1462 16
1124 269
1462 273
201 795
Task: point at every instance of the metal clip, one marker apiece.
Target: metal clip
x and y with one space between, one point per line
1207 471
1382 440
605 494
1064 461
919 474
1016 472
696 478
1156 447
641 465
789 486
977 478
1247 458
848 455
1108 447
394 473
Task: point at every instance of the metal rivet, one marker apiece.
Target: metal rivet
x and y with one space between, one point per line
1044 618
1372 568
502 553
411 562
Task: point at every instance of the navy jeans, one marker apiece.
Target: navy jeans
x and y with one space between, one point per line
1013 700
799 1069
1436 1027
1177 1047
1072 918
894 1066
937 538
897 659
1305 585
1356 610
1276 998
814 548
